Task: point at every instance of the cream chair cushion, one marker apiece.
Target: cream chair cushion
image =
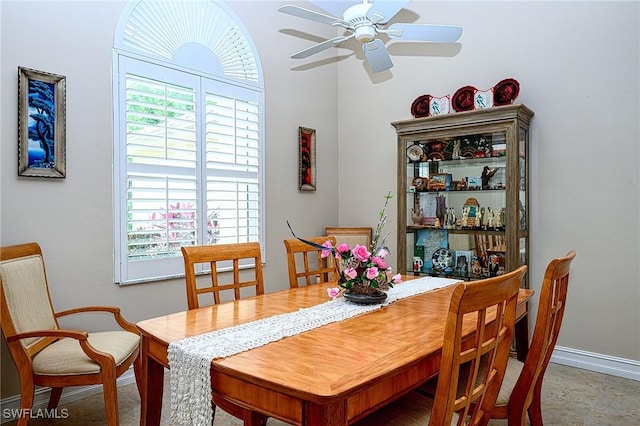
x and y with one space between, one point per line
24 284
67 357
514 368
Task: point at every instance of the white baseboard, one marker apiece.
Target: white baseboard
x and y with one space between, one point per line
614 366
591 361
11 405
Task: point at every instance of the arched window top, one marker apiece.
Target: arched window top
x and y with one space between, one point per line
202 35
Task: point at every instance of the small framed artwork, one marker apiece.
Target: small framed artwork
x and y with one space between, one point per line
439 182
41 124
474 183
306 159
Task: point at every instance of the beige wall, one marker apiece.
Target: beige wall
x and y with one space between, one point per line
578 68
577 64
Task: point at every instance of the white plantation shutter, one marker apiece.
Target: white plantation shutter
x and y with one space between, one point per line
188 135
232 165
189 167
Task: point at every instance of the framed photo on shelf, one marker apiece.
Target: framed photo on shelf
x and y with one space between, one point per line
306 159
474 183
41 124
439 182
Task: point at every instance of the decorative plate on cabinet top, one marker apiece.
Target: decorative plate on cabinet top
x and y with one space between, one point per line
420 107
505 92
463 99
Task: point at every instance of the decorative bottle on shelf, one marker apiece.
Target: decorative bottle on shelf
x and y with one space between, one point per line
417 213
416 216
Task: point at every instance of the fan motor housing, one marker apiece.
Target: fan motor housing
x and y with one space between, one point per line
365 34
363 28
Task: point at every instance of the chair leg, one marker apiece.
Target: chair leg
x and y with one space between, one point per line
110 390
137 372
54 398
535 409
27 390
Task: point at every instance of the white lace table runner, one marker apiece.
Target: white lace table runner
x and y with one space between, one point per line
190 358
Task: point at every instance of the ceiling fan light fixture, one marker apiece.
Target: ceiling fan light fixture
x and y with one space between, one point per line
365 33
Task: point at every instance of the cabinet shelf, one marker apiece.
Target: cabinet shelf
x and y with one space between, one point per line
502 159
485 150
470 231
456 191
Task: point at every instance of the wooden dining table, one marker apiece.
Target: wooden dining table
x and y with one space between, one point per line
332 375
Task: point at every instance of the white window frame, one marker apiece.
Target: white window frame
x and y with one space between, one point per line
128 271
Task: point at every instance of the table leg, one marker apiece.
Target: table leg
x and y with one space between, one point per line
253 418
521 333
151 387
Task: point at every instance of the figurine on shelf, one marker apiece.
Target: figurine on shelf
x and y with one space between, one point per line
480 222
456 149
490 218
465 216
494 266
498 219
487 174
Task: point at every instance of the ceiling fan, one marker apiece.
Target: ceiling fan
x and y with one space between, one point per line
364 21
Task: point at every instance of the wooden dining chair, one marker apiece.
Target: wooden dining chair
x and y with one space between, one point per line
306 262
522 386
222 265
361 236
48 355
477 338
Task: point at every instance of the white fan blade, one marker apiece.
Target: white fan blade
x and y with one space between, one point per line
320 47
312 15
334 7
381 11
424 32
377 55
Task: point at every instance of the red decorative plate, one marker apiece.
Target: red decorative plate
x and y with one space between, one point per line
505 92
420 107
462 100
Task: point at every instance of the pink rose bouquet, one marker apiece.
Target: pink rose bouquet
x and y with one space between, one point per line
364 269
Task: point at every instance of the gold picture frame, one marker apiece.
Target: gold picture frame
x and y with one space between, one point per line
41 124
306 159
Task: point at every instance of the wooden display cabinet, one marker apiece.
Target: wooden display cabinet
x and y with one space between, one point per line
463 193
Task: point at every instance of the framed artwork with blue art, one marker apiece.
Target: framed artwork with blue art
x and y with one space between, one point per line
41 124
432 240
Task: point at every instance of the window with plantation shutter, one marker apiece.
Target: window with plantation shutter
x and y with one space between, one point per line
188 155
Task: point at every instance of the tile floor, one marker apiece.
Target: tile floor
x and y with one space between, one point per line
570 397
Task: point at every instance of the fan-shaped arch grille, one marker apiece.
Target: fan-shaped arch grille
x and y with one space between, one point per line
160 29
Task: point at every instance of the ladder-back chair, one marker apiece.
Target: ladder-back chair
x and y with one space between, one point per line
477 339
306 262
522 386
220 279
